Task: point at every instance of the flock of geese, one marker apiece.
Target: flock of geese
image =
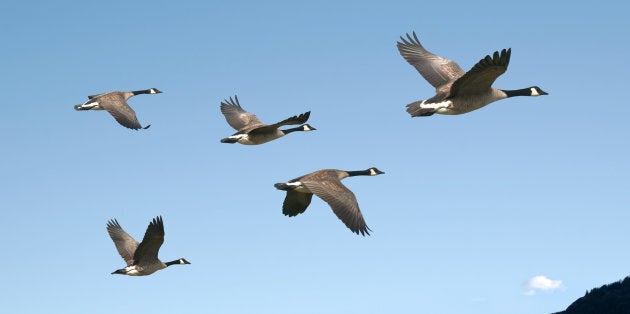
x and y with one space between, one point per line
457 92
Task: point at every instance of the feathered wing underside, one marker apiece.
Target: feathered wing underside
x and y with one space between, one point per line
299 119
238 118
125 244
342 201
482 75
151 243
435 69
296 203
117 106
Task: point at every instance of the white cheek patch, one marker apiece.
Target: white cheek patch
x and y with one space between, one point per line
534 92
372 172
306 128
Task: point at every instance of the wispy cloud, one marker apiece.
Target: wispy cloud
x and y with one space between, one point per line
542 283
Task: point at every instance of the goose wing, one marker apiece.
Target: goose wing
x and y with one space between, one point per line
99 95
151 243
300 119
482 75
125 244
238 118
342 201
435 69
117 106
296 203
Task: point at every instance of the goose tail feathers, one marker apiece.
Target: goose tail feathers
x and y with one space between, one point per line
415 109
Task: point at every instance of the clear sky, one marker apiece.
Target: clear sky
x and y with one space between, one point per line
519 207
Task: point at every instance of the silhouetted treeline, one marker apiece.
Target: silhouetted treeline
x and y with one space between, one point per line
612 298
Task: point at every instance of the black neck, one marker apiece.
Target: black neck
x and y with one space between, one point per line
287 131
144 91
172 263
518 92
359 173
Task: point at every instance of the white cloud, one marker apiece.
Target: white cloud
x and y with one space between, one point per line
542 283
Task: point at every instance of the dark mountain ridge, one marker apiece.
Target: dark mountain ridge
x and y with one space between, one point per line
612 298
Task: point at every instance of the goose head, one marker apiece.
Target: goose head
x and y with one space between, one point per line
374 171
536 91
307 127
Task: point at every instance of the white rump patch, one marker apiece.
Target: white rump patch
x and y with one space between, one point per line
240 138
92 106
131 270
299 187
437 106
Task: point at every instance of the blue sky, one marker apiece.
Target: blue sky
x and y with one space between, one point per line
519 207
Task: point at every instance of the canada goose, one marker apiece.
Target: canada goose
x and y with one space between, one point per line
457 91
116 104
252 131
141 258
327 185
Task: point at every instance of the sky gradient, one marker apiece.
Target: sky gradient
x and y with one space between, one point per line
519 207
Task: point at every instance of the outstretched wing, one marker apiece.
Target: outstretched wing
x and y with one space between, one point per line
117 106
289 121
125 244
482 75
435 69
151 243
238 118
342 201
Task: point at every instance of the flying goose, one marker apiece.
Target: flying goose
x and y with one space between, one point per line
141 258
252 131
326 184
116 104
457 91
